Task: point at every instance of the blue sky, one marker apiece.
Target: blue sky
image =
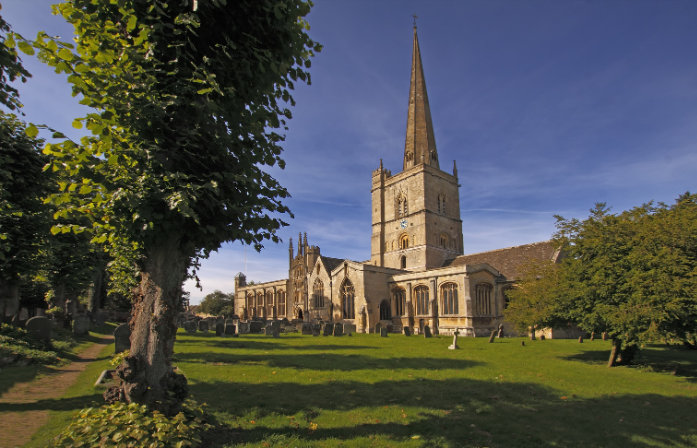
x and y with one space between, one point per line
547 106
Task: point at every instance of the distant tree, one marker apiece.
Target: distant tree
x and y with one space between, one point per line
187 97
632 275
215 302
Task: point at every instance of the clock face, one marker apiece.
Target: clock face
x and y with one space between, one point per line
403 223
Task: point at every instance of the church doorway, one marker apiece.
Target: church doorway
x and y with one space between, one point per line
300 314
385 310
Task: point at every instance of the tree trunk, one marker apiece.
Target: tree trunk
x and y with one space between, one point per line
616 348
147 375
96 290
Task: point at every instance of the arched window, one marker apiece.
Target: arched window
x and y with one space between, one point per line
318 294
348 295
404 241
281 297
444 241
399 296
441 204
448 294
421 293
250 305
385 313
483 299
403 262
402 205
269 303
260 304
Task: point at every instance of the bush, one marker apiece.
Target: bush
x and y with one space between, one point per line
56 312
16 341
118 359
122 424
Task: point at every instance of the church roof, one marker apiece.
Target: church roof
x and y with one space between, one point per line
509 260
331 263
420 144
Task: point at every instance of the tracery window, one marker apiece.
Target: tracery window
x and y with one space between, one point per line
348 296
385 310
402 205
421 294
281 296
318 294
400 301
449 297
482 294
444 241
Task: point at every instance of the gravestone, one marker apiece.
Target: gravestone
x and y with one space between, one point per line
230 328
522 343
220 320
285 322
389 328
255 327
593 336
349 328
290 329
100 318
268 330
190 326
219 329
276 326
338 329
500 334
122 338
532 335
407 331
454 345
383 332
604 336
15 321
81 325
40 328
203 326
23 314
378 327
315 329
306 329
580 339
328 330
493 335
427 331
243 328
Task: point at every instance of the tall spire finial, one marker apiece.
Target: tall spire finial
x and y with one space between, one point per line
420 144
415 17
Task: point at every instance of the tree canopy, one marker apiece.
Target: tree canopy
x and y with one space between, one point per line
215 302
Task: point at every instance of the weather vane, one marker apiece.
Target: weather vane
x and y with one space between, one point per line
415 17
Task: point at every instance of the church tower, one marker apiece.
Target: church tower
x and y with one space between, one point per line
416 213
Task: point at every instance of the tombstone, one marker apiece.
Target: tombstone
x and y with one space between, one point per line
500 334
532 335
378 327
122 338
407 331
593 336
383 332
604 336
243 328
580 339
229 328
338 329
81 325
328 330
190 326
220 320
349 328
219 329
203 326
100 318
285 322
255 327
522 343
389 328
427 331
15 321
276 325
454 345
23 314
315 329
307 329
40 328
492 336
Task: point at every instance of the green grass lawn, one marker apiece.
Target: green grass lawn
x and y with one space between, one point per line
398 391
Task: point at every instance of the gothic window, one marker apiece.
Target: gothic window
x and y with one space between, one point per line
269 303
385 310
281 296
421 293
400 301
403 262
250 304
449 296
482 294
404 241
444 241
402 205
348 295
318 294
260 304
441 204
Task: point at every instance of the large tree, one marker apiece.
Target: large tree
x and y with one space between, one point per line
187 98
632 275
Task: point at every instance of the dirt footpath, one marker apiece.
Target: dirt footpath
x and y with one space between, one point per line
16 428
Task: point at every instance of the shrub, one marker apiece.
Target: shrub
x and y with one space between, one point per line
10 347
56 312
122 424
118 359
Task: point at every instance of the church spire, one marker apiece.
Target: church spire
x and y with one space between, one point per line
420 145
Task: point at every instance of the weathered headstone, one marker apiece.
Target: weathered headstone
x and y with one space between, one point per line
580 339
378 327
328 329
243 328
383 332
604 336
306 328
100 318
122 338
492 336
81 325
338 329
454 345
349 328
427 331
500 333
230 328
407 331
23 314
203 326
15 321
593 336
40 328
255 327
190 326
522 343
315 328
219 329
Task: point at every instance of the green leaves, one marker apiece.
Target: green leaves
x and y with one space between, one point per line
31 131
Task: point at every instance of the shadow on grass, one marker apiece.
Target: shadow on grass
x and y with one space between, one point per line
236 343
54 404
12 375
448 413
326 361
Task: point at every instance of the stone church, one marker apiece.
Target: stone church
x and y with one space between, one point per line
417 274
